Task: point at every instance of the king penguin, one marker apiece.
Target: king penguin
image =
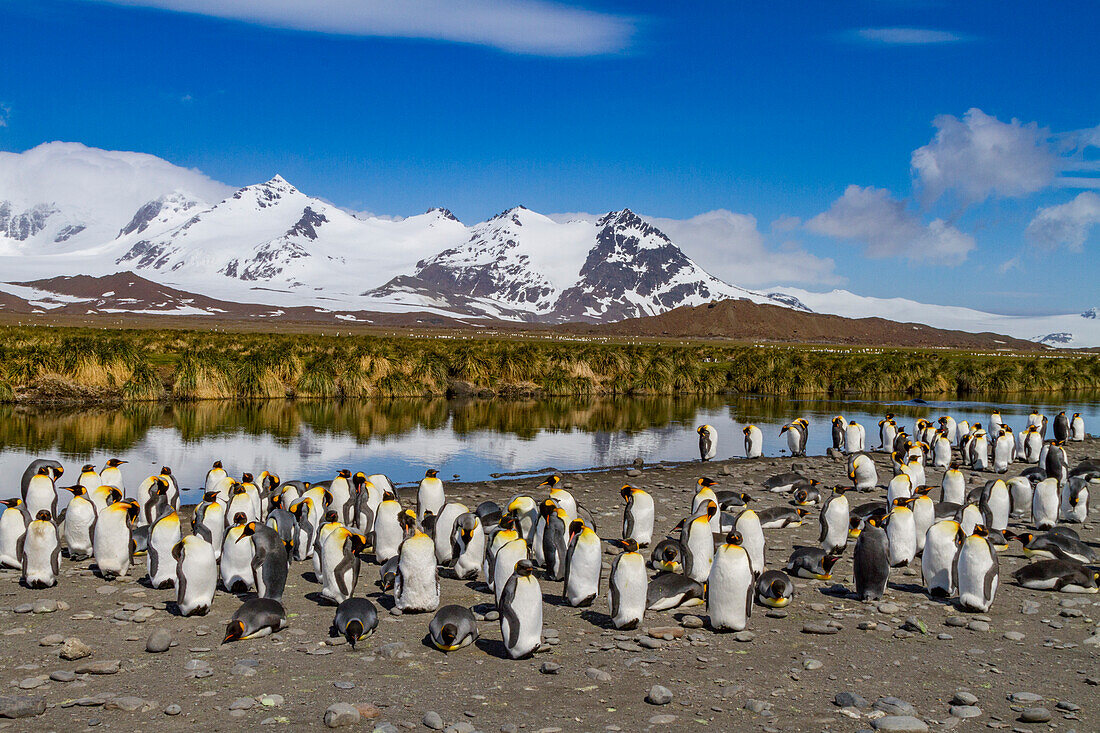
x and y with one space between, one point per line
708 442
941 546
270 562
452 628
638 516
41 549
80 517
754 441
1044 504
774 589
901 534
340 562
429 496
112 542
628 586
976 570
356 619
730 586
416 588
871 562
13 525
111 475
582 565
834 522
698 542
520 607
255 618
467 546
163 536
41 493
196 575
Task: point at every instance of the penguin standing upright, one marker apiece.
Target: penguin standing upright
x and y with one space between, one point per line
40 550
638 516
704 496
111 475
13 525
520 608
862 472
924 516
1073 505
871 562
1004 449
112 542
453 627
368 497
708 442
213 476
41 493
887 431
208 521
1019 494
730 586
1077 428
855 438
941 450
839 424
388 533
53 470
1061 427
698 543
270 561
750 539
163 536
416 588
80 517
976 572
255 618
834 522
196 575
89 477
236 560
356 619
628 586
504 563
342 497
1032 445
429 496
754 441
340 562
467 546
582 565
443 532
979 451
555 542
953 486
996 503
1056 463
941 545
1045 501
901 534
506 532
797 433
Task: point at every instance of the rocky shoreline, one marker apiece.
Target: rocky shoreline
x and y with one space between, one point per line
110 656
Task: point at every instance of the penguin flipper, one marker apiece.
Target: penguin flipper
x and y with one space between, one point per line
508 613
992 573
19 543
748 599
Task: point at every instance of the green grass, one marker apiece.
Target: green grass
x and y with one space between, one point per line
177 365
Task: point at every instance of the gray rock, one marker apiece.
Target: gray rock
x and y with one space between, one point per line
956 621
549 668
173 709
977 625
597 674
51 640
62 675
964 698
1069 707
1035 715
895 706
242 670
391 650
692 622
23 608
849 700
965 711
242 703
756 706
339 715
659 695
900 724
432 720
1025 698
21 706
744 636
813 627
1029 608
129 703
811 664
158 641
1014 636
31 682
73 649
664 719
107 666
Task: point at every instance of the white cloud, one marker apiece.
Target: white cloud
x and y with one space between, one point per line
979 156
5 111
887 228
1066 224
539 27
908 36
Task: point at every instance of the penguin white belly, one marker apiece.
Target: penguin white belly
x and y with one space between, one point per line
639 525
752 540
582 580
924 516
444 529
980 451
1077 429
196 577
853 438
978 578
627 589
971 517
864 474
754 443
1044 504
40 548
953 488
504 564
521 622
387 531
163 537
836 525
700 549
1074 513
429 498
1019 490
417 585
900 487
339 565
730 589
111 544
1002 454
40 495
901 531
79 518
999 505
938 559
941 453
236 563
12 527
794 440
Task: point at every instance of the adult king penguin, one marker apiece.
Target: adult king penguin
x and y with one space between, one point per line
430 496
628 586
255 618
708 442
941 546
871 563
112 542
834 522
453 627
356 619
754 441
638 516
521 612
80 517
582 565
416 588
40 551
730 586
976 572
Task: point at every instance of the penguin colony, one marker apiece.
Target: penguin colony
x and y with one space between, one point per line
248 531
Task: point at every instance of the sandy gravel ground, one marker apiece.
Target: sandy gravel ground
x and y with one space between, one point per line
590 677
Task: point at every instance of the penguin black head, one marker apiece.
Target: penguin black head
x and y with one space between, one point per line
358 542
744 497
77 490
359 480
628 545
551 482
160 486
547 507
706 483
842 489
11 503
44 515
801 496
902 501
575 527
115 463
407 520
277 501
431 473
712 509
246 478
344 473
217 464
353 631
210 497
524 568
236 489
165 471
428 521
801 512
747 430
44 471
114 496
507 521
449 633
734 538
240 518
331 516
626 491
784 429
271 481
389 496
234 631
829 561
132 512
87 467
980 530
248 531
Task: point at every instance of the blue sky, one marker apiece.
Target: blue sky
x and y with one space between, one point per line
804 116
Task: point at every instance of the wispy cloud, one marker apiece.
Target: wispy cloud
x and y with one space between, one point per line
537 27
5 110
1066 224
977 156
907 36
887 228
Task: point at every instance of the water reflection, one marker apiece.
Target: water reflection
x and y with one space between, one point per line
311 439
